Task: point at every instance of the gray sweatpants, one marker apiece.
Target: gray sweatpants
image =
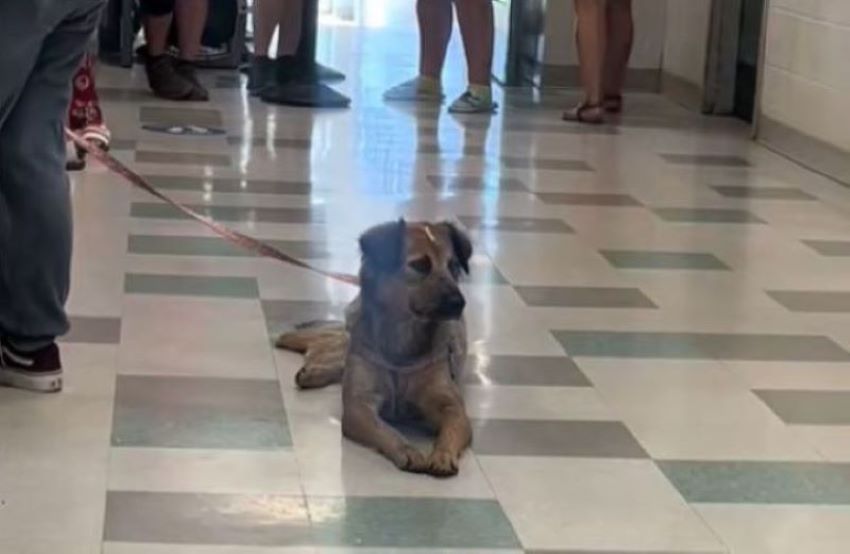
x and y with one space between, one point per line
41 45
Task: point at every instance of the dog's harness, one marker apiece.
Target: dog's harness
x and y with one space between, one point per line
410 368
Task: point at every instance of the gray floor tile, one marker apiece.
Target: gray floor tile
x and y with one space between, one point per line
711 160
466 150
262 142
224 184
581 439
469 182
808 407
191 285
285 314
94 330
161 115
760 482
647 259
206 519
228 82
229 213
169 245
115 94
742 347
763 193
706 215
587 199
122 144
411 523
830 248
190 412
531 371
584 297
541 164
626 551
518 224
813 301
182 158
273 520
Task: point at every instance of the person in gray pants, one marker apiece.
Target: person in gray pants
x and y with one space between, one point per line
41 45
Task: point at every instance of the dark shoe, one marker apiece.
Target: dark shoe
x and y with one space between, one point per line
261 74
38 371
287 70
165 81
186 69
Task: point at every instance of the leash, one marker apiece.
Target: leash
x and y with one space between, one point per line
234 237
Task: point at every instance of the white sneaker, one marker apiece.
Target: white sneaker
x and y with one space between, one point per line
413 91
469 103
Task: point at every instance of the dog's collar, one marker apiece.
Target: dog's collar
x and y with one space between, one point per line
405 369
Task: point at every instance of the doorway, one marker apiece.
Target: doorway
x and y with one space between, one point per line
749 46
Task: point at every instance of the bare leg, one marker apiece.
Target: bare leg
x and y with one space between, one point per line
475 18
590 40
191 17
290 27
619 49
361 423
435 31
267 16
156 33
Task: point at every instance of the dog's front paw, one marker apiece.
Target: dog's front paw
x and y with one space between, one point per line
407 458
443 464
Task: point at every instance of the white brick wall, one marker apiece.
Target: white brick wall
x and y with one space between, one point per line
807 68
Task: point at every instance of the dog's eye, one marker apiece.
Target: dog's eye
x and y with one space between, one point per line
420 265
454 268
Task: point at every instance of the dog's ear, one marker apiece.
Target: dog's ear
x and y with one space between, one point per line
461 243
383 246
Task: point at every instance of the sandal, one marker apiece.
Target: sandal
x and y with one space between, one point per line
591 114
613 103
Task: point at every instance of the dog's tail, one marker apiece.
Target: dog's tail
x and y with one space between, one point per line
324 345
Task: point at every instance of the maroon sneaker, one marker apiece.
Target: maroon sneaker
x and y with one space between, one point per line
39 371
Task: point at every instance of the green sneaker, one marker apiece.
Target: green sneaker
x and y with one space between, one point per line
470 103
414 90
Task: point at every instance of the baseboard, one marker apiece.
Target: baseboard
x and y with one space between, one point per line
808 151
567 76
681 91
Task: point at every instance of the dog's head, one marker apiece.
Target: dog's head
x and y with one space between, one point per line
415 267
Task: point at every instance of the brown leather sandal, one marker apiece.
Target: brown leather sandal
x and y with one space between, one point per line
592 114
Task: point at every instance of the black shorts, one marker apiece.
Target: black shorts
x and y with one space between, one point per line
156 7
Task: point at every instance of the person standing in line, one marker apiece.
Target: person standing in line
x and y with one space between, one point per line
284 15
604 36
41 45
169 78
435 18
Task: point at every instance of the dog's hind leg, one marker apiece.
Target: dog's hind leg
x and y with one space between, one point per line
324 348
324 363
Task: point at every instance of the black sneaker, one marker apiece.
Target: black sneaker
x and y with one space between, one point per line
186 69
38 371
261 74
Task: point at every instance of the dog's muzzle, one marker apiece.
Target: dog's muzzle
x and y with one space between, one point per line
452 305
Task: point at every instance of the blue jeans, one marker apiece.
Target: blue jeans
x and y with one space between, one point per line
41 45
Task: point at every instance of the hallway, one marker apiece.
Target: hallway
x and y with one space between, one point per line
659 320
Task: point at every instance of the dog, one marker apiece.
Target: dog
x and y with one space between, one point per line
401 350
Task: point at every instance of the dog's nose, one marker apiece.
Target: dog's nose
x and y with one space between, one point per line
454 303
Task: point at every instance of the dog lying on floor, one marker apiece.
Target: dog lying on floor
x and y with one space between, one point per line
401 350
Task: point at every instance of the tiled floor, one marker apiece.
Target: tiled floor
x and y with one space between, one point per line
659 320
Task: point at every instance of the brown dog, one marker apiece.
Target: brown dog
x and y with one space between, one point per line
402 348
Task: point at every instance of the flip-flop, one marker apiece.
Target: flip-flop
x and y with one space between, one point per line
579 114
